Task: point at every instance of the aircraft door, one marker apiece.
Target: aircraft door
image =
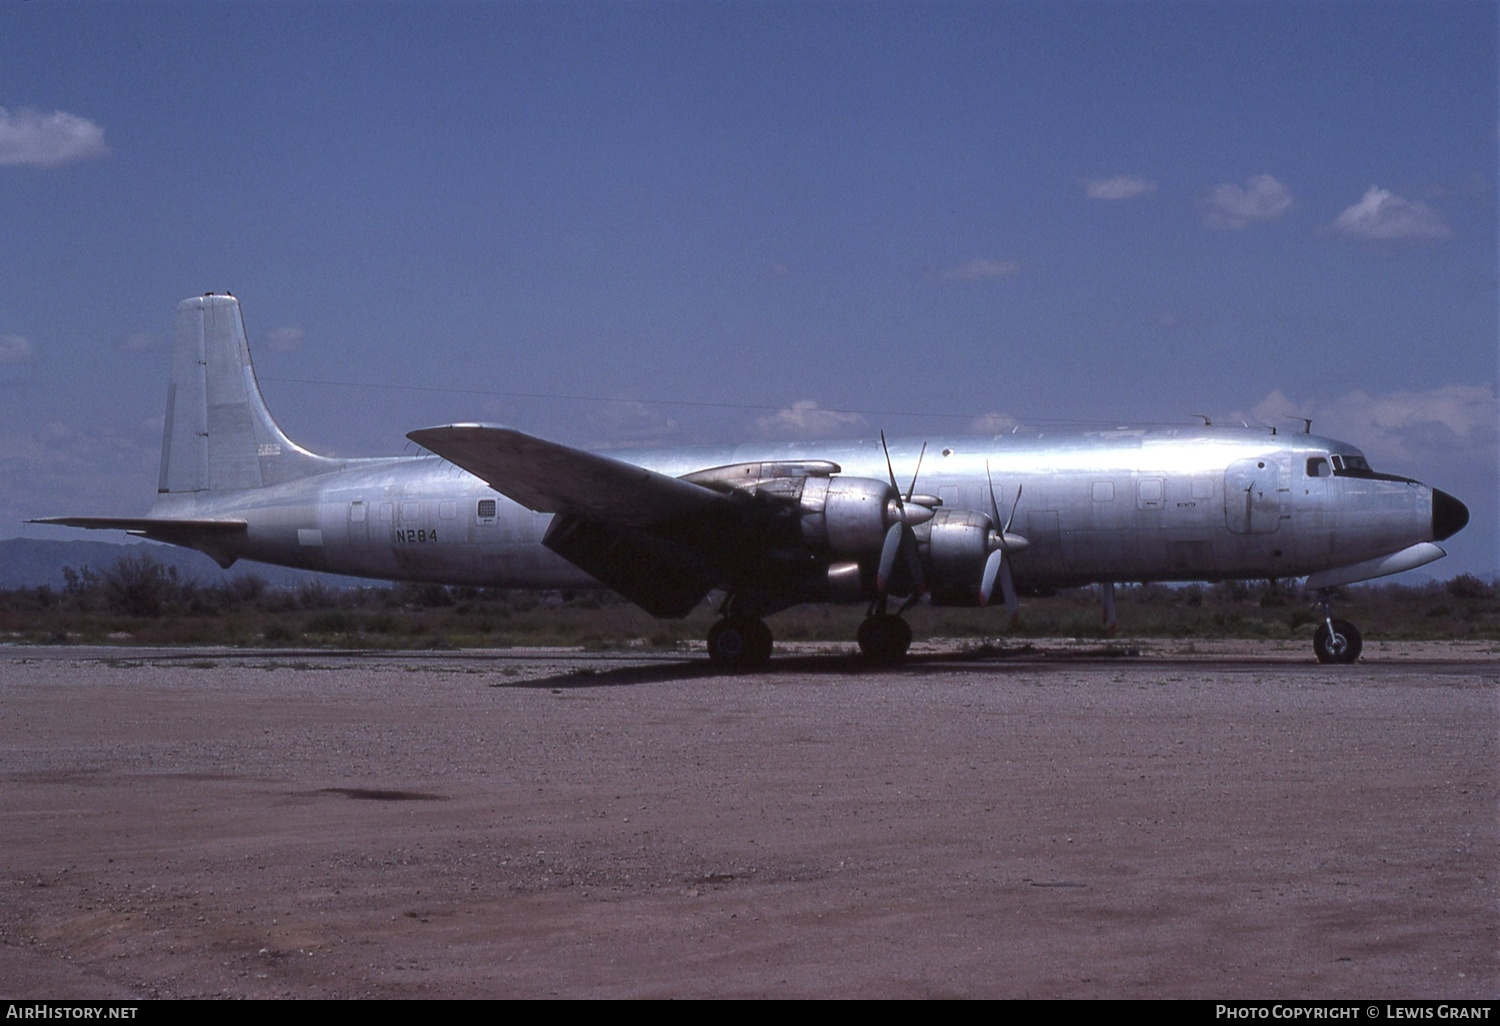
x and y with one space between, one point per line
359 525
1253 495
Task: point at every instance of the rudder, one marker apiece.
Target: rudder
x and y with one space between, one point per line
219 435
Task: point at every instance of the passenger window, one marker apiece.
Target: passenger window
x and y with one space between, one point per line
1318 467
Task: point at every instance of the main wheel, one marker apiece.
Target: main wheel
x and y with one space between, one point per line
884 638
1340 645
739 643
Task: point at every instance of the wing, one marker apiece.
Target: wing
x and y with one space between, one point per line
654 539
553 478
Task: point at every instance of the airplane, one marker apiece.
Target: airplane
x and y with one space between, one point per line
763 527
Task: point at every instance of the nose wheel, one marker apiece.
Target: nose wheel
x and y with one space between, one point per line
1335 641
739 643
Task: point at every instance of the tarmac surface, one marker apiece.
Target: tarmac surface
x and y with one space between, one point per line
1164 820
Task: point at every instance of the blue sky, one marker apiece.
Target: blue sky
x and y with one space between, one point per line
711 222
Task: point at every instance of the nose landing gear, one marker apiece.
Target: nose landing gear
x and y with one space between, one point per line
1335 641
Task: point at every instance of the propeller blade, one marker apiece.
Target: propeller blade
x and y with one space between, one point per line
891 472
889 549
992 566
1008 589
913 562
913 489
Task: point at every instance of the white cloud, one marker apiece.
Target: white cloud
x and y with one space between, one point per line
16 349
1230 207
992 424
285 340
630 422
807 420
1434 425
1383 216
1120 187
980 269
54 469
47 140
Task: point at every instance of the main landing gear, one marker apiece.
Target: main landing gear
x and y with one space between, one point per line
1335 641
884 638
739 643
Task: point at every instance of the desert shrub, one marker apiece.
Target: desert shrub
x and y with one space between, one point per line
1467 587
137 585
279 633
331 621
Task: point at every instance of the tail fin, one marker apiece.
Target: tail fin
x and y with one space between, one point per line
219 434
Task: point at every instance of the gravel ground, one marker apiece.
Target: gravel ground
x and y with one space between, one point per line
1164 821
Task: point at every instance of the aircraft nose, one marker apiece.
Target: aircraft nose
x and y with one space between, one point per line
1448 515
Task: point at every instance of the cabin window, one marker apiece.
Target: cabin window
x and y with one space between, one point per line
486 510
1318 467
1104 491
448 509
357 512
410 511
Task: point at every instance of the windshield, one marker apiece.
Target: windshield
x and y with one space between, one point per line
1355 465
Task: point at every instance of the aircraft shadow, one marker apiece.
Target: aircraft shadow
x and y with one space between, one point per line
830 664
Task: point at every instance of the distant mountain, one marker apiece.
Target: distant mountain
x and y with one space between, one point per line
31 563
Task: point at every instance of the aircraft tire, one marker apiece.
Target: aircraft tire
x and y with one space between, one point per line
739 643
1341 645
884 638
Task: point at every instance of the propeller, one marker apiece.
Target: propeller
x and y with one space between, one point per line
900 544
1000 542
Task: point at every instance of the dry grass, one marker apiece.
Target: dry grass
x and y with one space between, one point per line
139 603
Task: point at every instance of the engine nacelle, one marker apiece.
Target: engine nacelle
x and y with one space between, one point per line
954 546
846 516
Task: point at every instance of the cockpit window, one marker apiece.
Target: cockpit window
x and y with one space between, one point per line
1352 466
1318 467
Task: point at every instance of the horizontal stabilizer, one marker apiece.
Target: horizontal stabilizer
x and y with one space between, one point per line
159 528
552 478
1408 558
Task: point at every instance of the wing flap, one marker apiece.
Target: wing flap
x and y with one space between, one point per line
664 577
552 478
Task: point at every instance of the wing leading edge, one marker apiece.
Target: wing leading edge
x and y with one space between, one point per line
552 478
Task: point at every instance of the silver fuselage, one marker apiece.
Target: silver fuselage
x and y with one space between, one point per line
1121 505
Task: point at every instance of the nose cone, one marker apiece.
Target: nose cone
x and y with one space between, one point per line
1448 515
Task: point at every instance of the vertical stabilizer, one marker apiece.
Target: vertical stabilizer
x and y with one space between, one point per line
219 435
